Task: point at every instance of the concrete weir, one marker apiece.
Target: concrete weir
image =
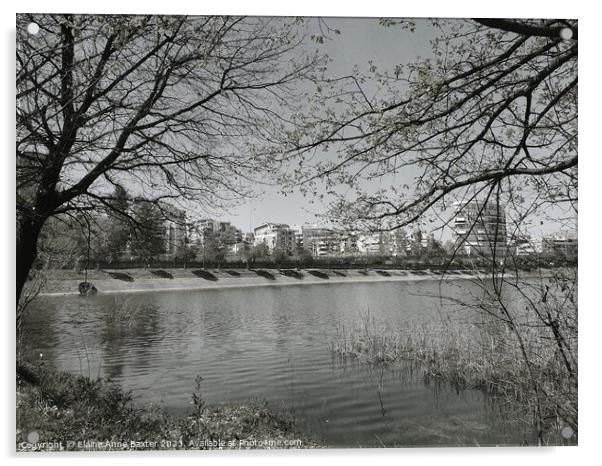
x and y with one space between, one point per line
186 280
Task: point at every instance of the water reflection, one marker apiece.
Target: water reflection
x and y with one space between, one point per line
270 343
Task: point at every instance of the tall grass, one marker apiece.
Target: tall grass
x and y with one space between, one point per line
122 313
446 351
515 363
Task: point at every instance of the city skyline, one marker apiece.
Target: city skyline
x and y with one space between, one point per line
247 216
478 229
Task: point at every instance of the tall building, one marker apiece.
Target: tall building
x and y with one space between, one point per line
480 228
298 233
276 236
322 242
316 240
174 231
330 245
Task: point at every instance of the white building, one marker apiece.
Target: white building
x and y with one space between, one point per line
480 228
276 236
371 244
322 242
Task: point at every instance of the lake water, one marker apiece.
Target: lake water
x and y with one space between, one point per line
269 343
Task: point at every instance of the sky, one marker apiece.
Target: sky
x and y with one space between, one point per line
361 40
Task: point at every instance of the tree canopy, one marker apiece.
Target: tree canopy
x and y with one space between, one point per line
172 106
491 113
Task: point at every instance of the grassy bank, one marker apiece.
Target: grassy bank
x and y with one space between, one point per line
60 411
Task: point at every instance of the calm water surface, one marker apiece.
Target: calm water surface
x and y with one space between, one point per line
270 343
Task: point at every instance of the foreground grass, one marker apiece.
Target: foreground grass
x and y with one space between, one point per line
60 411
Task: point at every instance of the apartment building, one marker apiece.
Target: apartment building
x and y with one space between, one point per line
174 231
480 228
276 236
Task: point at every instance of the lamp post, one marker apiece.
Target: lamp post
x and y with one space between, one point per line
250 215
250 245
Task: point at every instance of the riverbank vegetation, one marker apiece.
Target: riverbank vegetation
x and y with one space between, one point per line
523 356
57 408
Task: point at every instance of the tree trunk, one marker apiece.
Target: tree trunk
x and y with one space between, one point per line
27 249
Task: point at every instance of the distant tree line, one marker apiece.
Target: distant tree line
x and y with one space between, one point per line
127 229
